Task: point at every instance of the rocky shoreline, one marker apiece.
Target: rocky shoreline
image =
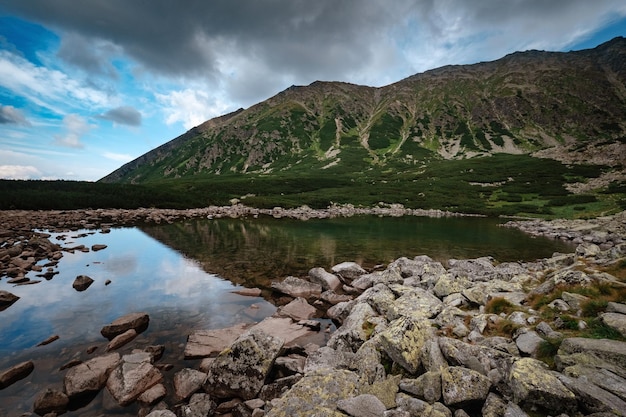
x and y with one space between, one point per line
419 337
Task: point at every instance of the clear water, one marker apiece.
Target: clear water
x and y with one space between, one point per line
183 275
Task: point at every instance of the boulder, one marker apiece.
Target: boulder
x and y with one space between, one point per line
593 398
121 339
403 341
416 303
7 299
15 373
317 393
51 401
365 405
533 385
573 300
133 376
613 307
333 298
355 329
240 370
187 381
616 321
209 343
152 395
137 321
161 413
611 351
278 387
462 386
285 329
348 271
426 387
97 247
296 287
298 309
328 358
528 342
324 278
449 284
200 405
82 282
90 376
479 269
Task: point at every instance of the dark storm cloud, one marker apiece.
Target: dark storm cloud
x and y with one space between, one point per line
251 48
124 115
181 38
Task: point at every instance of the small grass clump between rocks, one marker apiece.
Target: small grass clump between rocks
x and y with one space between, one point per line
499 305
547 350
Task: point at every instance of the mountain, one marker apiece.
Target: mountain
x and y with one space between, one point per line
567 106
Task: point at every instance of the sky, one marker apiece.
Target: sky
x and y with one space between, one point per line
86 86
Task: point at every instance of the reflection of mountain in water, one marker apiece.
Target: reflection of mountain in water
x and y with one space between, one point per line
253 252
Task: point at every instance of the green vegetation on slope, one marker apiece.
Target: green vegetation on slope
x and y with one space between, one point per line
497 185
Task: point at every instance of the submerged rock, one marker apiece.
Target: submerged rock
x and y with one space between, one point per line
51 401
15 373
89 376
137 321
296 287
209 343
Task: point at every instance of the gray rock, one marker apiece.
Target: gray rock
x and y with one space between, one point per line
574 300
403 341
479 269
514 410
365 405
7 299
461 386
278 387
187 381
348 271
121 339
587 250
51 401
414 406
161 413
594 398
367 362
559 260
240 371
612 307
611 351
380 298
426 387
532 384
431 357
317 393
415 303
366 281
15 373
152 395
296 287
607 377
297 309
82 282
200 405
90 376
340 311
529 342
354 330
324 278
290 364
209 343
544 330
137 321
448 284
328 358
495 406
615 321
507 271
559 304
333 298
285 329
134 375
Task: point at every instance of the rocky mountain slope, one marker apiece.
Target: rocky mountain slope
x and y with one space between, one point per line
567 106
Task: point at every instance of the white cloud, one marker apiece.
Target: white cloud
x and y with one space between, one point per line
76 126
191 107
19 172
45 87
121 157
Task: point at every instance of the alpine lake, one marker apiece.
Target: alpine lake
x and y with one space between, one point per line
183 275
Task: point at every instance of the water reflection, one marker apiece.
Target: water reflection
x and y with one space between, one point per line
252 252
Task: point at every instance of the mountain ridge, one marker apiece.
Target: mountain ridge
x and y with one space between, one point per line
548 104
